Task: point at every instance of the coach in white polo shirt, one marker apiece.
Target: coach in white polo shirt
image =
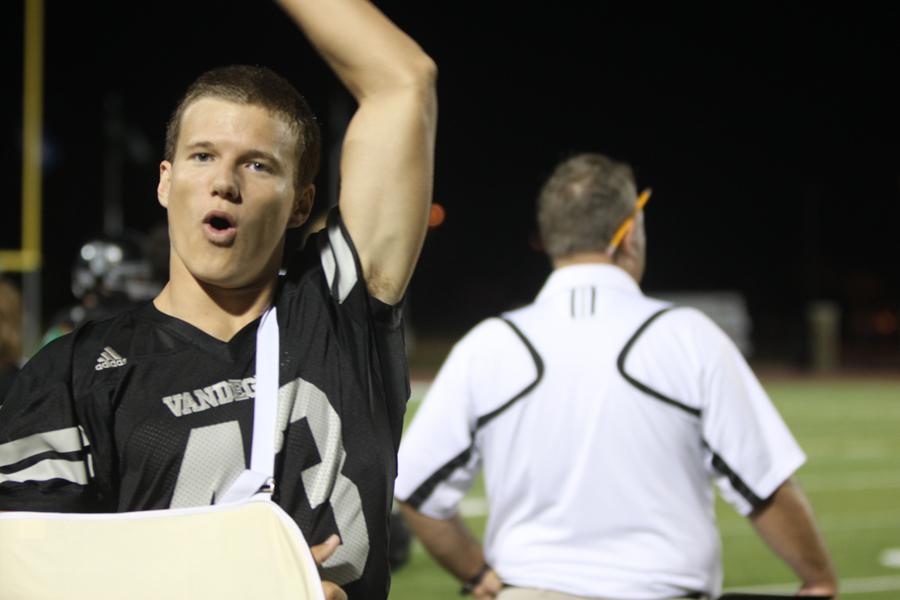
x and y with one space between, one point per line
601 418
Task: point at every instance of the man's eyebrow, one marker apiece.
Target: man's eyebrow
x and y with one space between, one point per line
261 154
200 144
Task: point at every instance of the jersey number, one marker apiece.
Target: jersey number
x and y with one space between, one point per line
214 457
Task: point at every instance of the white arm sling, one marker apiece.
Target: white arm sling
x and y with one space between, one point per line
244 547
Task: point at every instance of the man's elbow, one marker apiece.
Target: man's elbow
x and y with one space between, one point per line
418 74
426 72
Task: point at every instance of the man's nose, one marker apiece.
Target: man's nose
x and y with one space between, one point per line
226 185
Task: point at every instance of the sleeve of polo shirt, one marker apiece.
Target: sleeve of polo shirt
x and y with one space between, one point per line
748 445
438 459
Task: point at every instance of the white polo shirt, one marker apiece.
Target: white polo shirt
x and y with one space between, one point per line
601 418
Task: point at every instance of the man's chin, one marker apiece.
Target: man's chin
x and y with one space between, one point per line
228 281
224 278
228 274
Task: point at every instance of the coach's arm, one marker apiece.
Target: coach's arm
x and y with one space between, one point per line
387 159
785 522
454 547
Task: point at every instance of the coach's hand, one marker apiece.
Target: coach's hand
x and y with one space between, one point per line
489 587
321 553
827 589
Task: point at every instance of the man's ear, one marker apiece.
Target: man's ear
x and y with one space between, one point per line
635 238
165 179
303 204
628 241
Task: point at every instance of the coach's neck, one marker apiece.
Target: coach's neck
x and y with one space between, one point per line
622 260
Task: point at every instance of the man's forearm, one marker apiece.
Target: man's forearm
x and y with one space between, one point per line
448 541
787 525
363 47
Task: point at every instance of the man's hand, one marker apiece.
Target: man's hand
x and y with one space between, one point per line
321 553
827 590
489 587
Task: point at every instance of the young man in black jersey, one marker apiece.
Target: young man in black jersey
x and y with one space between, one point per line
150 409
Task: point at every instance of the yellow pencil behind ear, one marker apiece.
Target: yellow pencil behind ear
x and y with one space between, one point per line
619 235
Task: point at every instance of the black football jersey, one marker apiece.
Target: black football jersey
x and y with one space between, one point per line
144 411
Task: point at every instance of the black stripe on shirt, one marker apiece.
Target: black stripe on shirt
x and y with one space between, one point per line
424 491
623 356
76 455
717 461
539 367
739 485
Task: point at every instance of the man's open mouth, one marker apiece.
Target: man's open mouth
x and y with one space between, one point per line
220 227
220 221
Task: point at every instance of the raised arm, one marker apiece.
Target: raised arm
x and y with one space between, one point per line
387 160
787 526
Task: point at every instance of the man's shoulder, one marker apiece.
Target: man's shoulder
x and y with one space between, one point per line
496 349
103 347
490 333
85 349
679 320
123 324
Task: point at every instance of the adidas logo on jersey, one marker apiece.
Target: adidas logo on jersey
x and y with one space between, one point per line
109 359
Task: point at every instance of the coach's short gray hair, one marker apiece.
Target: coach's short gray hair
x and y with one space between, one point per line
583 203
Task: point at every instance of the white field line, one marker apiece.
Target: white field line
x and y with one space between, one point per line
833 524
852 451
865 411
890 557
848 586
874 480
473 506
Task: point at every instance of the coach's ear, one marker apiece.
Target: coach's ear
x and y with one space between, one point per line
635 239
303 205
631 253
165 178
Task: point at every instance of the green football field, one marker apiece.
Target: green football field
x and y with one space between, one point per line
850 430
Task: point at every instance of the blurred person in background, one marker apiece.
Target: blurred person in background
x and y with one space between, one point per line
109 276
602 419
10 334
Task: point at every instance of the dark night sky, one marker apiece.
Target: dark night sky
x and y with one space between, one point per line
769 135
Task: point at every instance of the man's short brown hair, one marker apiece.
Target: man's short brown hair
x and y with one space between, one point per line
262 87
584 201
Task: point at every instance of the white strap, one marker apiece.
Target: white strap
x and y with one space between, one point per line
265 411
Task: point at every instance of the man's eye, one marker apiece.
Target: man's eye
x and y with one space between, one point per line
259 166
201 156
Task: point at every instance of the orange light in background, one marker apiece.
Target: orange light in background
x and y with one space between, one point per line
437 216
885 322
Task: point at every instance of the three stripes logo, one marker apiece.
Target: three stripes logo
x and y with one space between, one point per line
109 359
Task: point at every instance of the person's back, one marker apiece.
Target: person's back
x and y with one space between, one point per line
587 468
602 418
